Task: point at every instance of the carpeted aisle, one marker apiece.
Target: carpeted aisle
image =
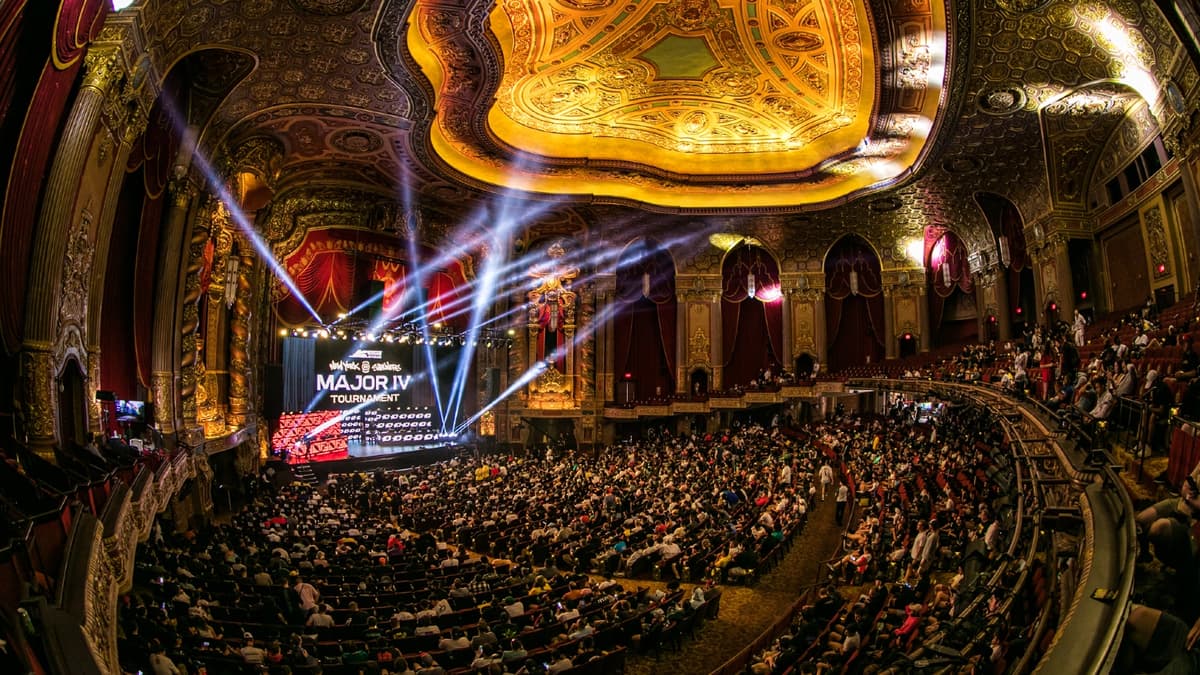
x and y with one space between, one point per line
747 612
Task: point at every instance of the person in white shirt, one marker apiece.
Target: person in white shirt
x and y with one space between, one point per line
826 475
319 619
843 496
160 663
992 536
250 653
308 594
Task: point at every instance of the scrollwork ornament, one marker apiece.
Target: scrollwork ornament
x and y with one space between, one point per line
164 404
261 156
77 274
102 67
37 375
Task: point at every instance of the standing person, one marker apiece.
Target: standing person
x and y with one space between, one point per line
843 495
1078 327
825 473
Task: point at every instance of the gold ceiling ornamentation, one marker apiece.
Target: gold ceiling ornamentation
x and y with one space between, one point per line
676 79
672 103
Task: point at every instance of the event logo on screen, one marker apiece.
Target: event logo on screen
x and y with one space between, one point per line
365 376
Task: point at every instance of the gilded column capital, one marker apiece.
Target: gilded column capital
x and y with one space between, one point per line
182 191
809 294
102 67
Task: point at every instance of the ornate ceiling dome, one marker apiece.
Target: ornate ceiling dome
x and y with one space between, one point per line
680 103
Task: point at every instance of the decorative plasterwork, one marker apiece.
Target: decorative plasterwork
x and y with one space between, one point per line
677 103
1076 128
359 62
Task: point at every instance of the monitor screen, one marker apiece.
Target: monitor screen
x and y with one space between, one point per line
131 409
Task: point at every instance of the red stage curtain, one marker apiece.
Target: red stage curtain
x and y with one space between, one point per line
332 268
859 338
853 304
752 326
118 363
12 25
392 274
644 326
946 257
77 22
327 282
154 153
1011 227
445 304
145 269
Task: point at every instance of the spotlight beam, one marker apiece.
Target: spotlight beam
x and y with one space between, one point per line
525 378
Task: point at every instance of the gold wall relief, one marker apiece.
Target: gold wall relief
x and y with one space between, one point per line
906 314
804 326
1157 247
37 378
699 348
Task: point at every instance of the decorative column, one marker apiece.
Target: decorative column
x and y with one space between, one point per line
805 305
695 297
257 161
56 306
890 346
125 116
1003 304
212 217
908 311
163 378
917 292
605 289
1057 246
239 335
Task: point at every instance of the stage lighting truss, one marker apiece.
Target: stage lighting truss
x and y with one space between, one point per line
406 333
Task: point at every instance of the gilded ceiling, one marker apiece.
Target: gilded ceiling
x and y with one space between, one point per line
774 103
805 118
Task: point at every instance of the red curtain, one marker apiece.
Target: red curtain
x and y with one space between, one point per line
392 274
751 322
76 23
11 28
1014 231
645 324
118 362
446 305
947 271
154 153
145 269
853 304
332 268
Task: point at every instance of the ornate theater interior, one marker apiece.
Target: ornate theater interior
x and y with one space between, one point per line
242 234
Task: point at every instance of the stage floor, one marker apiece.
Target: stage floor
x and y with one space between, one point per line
360 451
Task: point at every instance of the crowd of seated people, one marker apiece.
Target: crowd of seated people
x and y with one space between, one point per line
333 577
932 524
688 508
308 580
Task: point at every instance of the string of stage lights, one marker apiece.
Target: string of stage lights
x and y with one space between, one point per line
406 334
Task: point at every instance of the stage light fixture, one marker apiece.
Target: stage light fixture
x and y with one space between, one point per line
282 332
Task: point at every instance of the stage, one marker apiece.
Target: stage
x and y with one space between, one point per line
387 458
